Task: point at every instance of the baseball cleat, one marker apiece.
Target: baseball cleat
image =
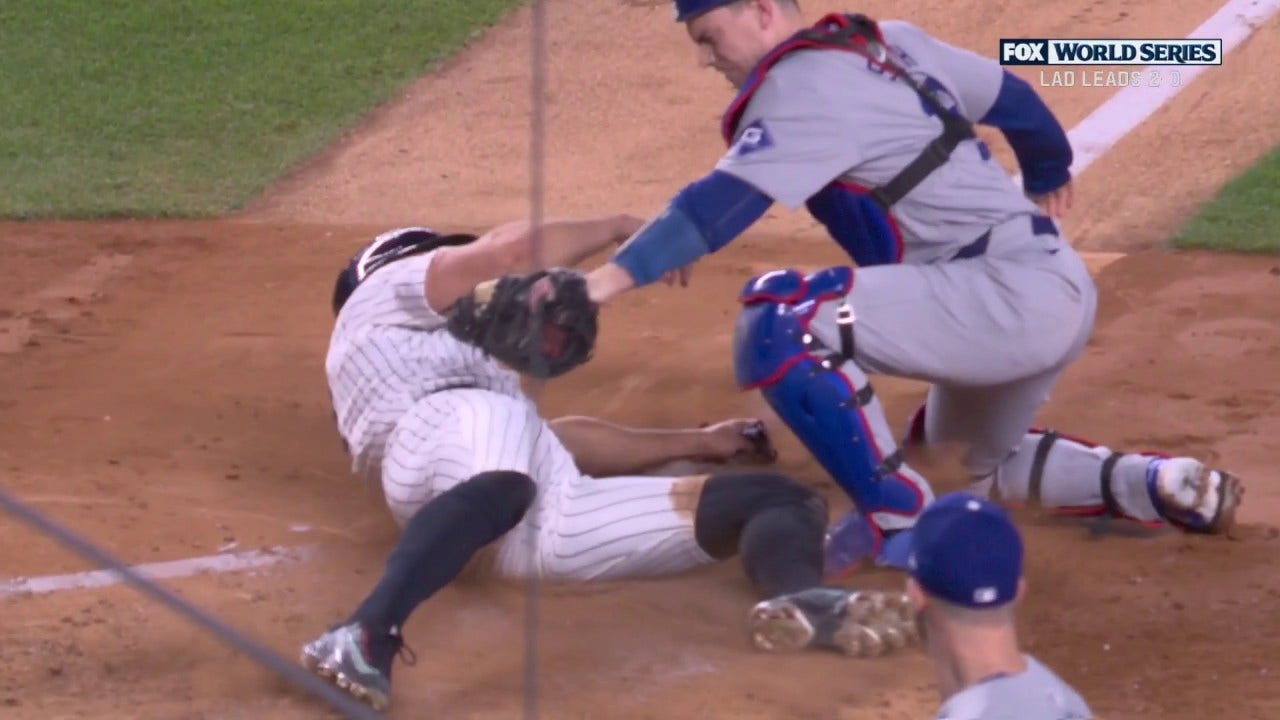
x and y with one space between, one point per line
343 657
858 623
1192 496
854 539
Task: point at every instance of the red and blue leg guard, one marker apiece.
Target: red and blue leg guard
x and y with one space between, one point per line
822 395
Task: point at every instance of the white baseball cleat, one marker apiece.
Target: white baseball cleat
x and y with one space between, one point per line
1192 496
858 623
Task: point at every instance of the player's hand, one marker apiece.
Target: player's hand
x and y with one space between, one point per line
678 276
742 439
1056 203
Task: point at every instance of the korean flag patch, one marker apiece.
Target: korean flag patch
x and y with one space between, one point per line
754 137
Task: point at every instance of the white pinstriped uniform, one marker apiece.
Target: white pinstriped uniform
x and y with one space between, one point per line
422 411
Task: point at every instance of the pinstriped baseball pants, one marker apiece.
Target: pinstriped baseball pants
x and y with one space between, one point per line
579 528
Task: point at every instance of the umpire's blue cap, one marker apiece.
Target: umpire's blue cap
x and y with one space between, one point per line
966 551
689 9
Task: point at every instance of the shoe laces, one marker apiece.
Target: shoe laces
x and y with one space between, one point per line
402 649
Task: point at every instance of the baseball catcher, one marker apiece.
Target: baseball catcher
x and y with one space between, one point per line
955 276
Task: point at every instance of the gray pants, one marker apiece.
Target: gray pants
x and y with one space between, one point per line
991 334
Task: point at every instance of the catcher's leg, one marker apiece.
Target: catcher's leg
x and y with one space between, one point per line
824 396
1074 476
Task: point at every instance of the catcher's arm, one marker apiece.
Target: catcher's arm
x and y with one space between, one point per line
704 217
509 249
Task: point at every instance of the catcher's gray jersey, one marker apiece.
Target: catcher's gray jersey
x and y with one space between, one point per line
971 289
819 116
1034 694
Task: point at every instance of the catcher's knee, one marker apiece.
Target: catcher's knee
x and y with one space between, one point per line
730 500
773 332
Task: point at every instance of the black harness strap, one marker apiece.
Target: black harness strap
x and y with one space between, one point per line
844 326
1108 494
1111 507
1037 464
890 465
955 128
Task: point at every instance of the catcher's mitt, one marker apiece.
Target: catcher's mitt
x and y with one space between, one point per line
541 324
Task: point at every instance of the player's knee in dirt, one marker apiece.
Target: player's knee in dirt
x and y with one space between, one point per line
730 500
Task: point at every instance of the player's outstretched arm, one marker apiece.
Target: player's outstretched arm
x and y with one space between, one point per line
705 216
567 242
602 449
515 248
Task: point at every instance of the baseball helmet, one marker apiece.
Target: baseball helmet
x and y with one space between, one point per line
387 248
689 9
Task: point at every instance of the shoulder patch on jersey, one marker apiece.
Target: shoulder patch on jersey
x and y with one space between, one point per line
754 137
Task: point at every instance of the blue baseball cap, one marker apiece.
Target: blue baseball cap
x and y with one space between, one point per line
966 551
689 9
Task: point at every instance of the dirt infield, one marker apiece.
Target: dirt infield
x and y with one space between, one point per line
166 397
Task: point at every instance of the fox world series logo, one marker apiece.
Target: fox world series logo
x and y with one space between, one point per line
1153 54
1027 51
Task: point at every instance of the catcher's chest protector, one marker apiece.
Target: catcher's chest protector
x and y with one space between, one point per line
859 34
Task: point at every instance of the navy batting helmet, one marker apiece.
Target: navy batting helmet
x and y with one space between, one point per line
389 247
689 9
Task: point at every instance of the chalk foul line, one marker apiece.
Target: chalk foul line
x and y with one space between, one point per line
186 567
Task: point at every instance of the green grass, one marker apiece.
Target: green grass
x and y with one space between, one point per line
175 108
1244 217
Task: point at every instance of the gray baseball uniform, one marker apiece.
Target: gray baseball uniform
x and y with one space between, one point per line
970 288
1037 693
422 411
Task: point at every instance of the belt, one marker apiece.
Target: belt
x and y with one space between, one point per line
1040 225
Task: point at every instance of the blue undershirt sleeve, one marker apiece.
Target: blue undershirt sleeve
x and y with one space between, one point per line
1035 135
705 216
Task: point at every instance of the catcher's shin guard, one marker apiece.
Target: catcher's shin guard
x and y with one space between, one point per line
822 394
